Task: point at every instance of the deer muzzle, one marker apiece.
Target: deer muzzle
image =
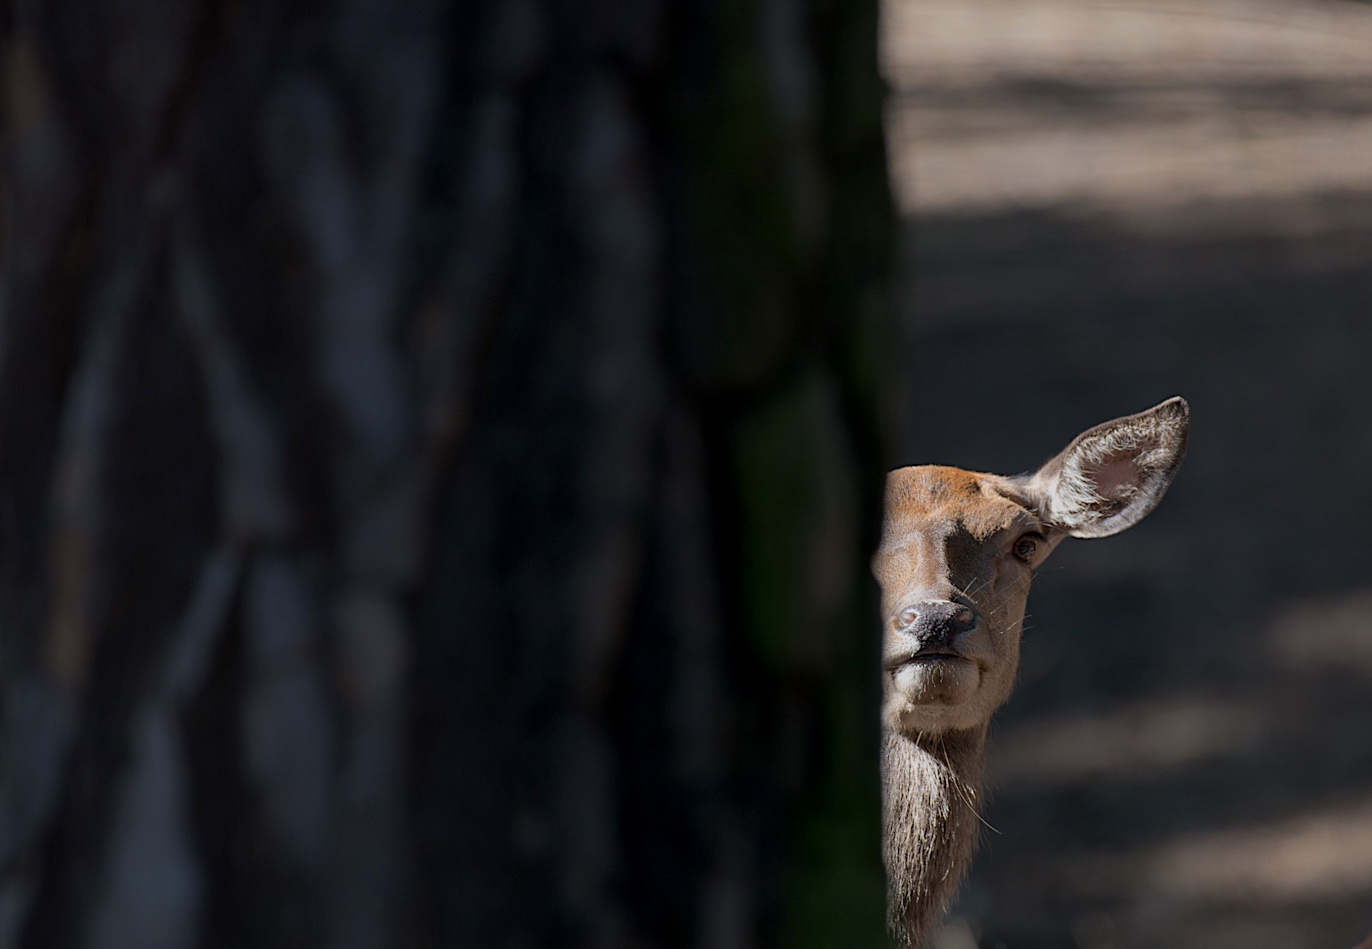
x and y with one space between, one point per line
929 631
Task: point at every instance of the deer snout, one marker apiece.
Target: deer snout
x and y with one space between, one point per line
935 624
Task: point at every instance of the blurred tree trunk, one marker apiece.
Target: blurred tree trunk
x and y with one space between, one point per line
439 445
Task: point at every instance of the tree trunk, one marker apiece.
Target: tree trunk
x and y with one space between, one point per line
439 447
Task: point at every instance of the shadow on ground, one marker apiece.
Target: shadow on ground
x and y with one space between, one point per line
1187 761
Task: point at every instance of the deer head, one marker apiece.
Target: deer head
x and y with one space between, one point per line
957 555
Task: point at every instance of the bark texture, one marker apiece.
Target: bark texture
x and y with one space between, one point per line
439 447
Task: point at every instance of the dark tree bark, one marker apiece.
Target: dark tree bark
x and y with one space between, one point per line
439 446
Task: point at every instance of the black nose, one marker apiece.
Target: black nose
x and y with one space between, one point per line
935 623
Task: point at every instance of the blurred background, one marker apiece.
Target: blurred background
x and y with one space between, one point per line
1106 204
441 442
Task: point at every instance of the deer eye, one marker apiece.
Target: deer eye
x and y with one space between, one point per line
1026 547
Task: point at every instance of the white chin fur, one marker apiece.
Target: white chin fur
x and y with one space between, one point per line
936 683
933 697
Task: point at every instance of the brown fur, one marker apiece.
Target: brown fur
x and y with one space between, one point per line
932 796
956 543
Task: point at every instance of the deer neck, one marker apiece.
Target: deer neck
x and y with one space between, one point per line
931 791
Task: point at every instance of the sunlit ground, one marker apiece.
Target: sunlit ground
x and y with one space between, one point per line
1117 202
1030 103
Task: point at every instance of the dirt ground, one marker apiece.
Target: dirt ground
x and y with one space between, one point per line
1115 203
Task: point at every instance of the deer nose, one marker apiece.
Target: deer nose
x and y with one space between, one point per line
935 622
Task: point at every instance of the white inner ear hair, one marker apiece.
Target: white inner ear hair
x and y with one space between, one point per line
1104 471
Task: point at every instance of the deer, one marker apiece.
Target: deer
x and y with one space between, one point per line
957 554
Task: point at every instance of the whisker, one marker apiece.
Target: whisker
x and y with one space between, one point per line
969 798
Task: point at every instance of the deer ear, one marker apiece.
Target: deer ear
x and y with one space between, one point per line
1112 475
